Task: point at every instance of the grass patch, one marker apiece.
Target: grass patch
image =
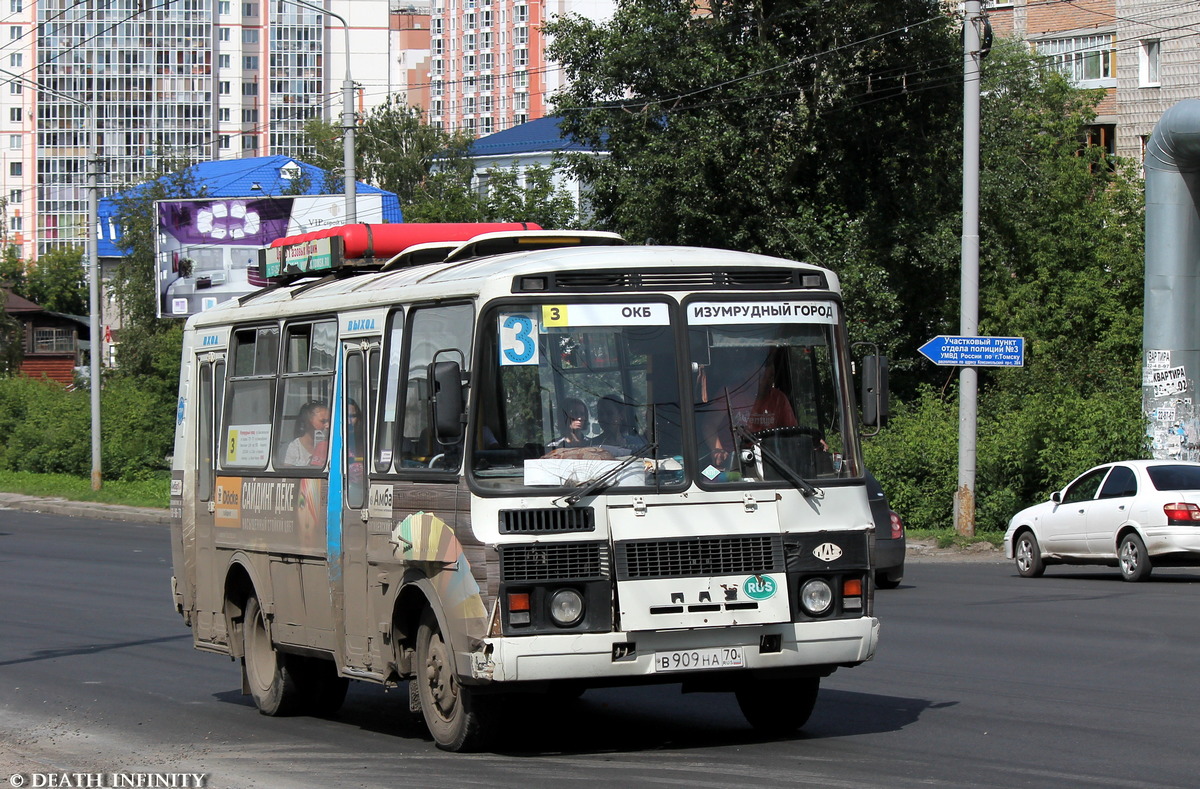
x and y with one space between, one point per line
147 493
948 538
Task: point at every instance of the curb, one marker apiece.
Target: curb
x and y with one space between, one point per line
90 509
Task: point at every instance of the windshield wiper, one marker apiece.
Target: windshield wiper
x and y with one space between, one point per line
803 485
596 483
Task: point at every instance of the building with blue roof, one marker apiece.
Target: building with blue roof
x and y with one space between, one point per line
540 142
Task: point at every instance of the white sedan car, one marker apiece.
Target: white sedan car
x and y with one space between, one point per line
1135 515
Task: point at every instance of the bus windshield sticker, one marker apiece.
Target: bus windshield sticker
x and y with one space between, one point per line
773 312
579 315
518 338
248 445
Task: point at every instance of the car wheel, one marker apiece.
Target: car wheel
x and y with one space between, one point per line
1134 561
888 580
1028 556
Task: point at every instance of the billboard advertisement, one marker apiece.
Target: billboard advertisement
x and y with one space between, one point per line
207 249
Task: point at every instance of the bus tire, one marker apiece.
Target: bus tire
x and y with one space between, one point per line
269 673
455 716
778 707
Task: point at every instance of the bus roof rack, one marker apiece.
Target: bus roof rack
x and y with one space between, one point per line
488 244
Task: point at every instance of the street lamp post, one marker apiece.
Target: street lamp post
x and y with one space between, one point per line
92 253
351 187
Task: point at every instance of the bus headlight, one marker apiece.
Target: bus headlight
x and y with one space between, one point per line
566 607
816 595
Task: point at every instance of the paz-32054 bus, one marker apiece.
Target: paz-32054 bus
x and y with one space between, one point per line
484 462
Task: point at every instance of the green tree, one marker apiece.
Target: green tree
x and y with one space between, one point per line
529 196
57 281
11 337
12 268
805 129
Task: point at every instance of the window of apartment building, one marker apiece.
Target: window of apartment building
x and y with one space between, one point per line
1088 61
15 169
485 18
437 46
437 88
521 35
249 88
486 125
14 33
15 114
223 142
249 35
249 116
249 9
468 62
437 107
222 61
521 101
521 57
436 27
223 7
16 6
15 88
250 142
469 22
469 42
223 114
14 142
250 63
437 68
1148 64
485 40
15 195
521 13
16 60
486 62
16 223
223 87
223 33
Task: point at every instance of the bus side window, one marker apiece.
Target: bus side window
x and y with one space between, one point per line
246 438
204 435
433 329
354 425
305 405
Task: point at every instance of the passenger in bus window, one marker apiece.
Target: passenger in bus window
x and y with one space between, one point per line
310 446
575 425
354 442
617 432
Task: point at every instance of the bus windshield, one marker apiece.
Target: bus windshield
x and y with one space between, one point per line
570 392
765 379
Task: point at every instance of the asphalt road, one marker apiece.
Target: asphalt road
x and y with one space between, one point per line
982 679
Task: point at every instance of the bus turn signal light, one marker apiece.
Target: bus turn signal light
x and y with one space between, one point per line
852 587
518 601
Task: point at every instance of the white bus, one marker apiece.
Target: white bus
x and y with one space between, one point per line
545 462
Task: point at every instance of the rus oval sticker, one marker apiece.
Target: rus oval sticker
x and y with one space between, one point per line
759 587
827 552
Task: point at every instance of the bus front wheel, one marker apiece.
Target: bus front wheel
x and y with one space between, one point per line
778 707
269 676
455 715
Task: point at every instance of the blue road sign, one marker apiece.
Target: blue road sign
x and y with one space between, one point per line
975 351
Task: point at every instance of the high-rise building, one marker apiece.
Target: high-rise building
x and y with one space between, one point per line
488 68
165 81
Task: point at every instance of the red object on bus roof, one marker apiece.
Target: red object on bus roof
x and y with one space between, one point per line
385 241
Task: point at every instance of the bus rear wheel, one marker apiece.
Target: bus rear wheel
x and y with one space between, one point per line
269 675
778 707
454 714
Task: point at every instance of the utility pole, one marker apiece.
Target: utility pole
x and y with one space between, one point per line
348 121
968 390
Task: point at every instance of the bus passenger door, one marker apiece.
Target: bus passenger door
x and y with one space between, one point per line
359 395
199 546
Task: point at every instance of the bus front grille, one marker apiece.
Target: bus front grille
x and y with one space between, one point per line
699 556
553 562
547 521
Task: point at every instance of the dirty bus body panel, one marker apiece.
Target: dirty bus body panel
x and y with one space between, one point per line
549 459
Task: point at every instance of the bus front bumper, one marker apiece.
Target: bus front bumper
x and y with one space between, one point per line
613 656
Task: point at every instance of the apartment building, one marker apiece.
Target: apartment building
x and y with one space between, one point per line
488 67
1144 54
163 81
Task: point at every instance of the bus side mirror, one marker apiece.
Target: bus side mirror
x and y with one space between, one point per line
875 408
447 401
